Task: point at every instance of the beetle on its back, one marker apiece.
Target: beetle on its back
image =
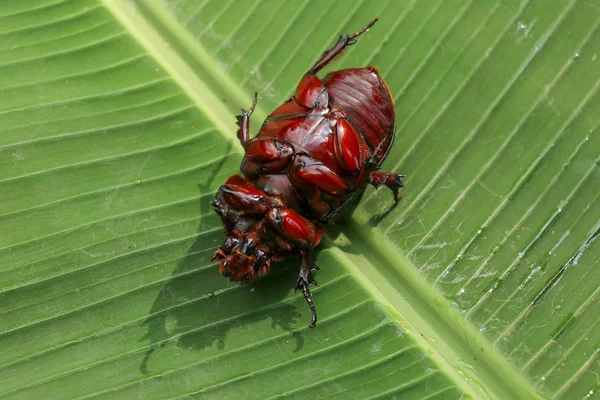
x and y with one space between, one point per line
313 156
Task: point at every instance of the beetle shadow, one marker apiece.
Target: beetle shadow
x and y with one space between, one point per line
336 230
376 219
197 307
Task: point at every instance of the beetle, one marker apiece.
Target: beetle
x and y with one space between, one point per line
311 161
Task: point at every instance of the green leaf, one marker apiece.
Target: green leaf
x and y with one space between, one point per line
117 125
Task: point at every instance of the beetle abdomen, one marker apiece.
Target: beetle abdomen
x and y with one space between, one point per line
366 101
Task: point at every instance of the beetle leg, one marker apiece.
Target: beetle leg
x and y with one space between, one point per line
306 267
311 92
347 144
304 280
294 228
305 170
308 297
266 155
342 43
389 179
263 260
243 122
234 200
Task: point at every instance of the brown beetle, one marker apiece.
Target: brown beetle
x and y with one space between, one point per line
312 159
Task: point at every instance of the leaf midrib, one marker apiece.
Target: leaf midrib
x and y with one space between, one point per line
405 292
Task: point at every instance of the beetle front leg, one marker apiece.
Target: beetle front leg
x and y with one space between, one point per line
342 43
266 155
296 229
243 122
305 279
234 201
391 180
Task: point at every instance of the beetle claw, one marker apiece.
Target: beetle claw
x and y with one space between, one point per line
300 283
363 30
399 180
248 113
314 267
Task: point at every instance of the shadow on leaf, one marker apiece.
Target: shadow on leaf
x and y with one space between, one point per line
375 220
198 307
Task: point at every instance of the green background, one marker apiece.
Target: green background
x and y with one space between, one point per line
117 125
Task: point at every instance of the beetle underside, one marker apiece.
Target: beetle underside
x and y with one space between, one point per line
311 158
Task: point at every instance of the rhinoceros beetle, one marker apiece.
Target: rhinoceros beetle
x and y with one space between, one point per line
311 160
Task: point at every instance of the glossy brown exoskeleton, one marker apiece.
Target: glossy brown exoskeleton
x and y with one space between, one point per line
312 158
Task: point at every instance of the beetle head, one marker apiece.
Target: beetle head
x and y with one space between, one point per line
242 257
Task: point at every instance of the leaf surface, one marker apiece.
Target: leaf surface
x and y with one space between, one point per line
117 126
